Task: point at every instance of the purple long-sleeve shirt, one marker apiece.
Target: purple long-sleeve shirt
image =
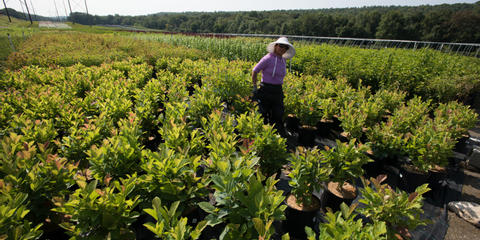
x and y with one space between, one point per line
273 67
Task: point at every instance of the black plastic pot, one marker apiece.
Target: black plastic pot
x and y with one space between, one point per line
212 232
306 136
141 232
292 123
332 201
436 182
463 146
373 169
410 179
296 220
325 127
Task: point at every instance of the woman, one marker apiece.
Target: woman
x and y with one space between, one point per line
270 95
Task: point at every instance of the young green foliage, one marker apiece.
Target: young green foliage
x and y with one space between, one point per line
309 171
169 225
100 213
342 225
398 209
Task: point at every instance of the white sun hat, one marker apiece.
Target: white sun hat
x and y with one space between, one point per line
282 40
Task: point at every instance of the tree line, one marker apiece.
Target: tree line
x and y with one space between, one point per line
24 16
439 23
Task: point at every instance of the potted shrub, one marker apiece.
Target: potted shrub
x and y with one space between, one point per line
172 176
309 113
399 210
243 205
100 213
345 224
309 172
346 161
353 119
169 224
14 208
264 141
120 154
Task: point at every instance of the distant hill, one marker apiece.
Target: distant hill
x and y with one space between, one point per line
20 15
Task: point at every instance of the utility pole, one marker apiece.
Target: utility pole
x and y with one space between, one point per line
86 6
65 8
29 16
23 10
56 9
6 10
87 10
33 9
70 6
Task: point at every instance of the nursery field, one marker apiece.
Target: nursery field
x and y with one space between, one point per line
114 135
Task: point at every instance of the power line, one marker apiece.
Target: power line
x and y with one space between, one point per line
29 16
23 10
6 9
33 9
70 6
56 10
86 8
65 8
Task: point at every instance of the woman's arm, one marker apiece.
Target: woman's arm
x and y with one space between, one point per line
254 80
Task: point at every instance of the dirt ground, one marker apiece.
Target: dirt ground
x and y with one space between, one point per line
460 229
49 24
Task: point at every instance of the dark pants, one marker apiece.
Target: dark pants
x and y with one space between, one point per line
270 103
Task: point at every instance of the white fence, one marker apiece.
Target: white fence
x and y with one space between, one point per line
468 49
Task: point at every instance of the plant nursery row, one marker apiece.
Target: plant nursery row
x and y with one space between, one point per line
170 145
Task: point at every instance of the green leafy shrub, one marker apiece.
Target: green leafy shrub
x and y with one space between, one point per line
457 117
202 103
100 213
353 119
390 99
399 210
410 115
429 145
309 171
120 154
177 133
346 161
172 176
246 205
264 141
76 145
13 211
168 225
344 224
39 131
219 132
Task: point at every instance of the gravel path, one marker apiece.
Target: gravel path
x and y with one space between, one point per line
49 24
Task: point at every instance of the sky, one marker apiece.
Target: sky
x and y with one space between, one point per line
144 7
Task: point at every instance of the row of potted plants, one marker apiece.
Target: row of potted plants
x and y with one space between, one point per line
116 122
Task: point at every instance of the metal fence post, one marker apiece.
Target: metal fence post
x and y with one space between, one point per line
11 43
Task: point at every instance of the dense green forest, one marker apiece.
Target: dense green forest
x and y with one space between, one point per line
440 23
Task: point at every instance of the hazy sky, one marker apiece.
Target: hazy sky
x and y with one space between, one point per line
143 7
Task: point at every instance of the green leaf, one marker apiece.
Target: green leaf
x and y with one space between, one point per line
285 236
91 186
259 226
207 207
109 221
157 203
195 234
173 209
